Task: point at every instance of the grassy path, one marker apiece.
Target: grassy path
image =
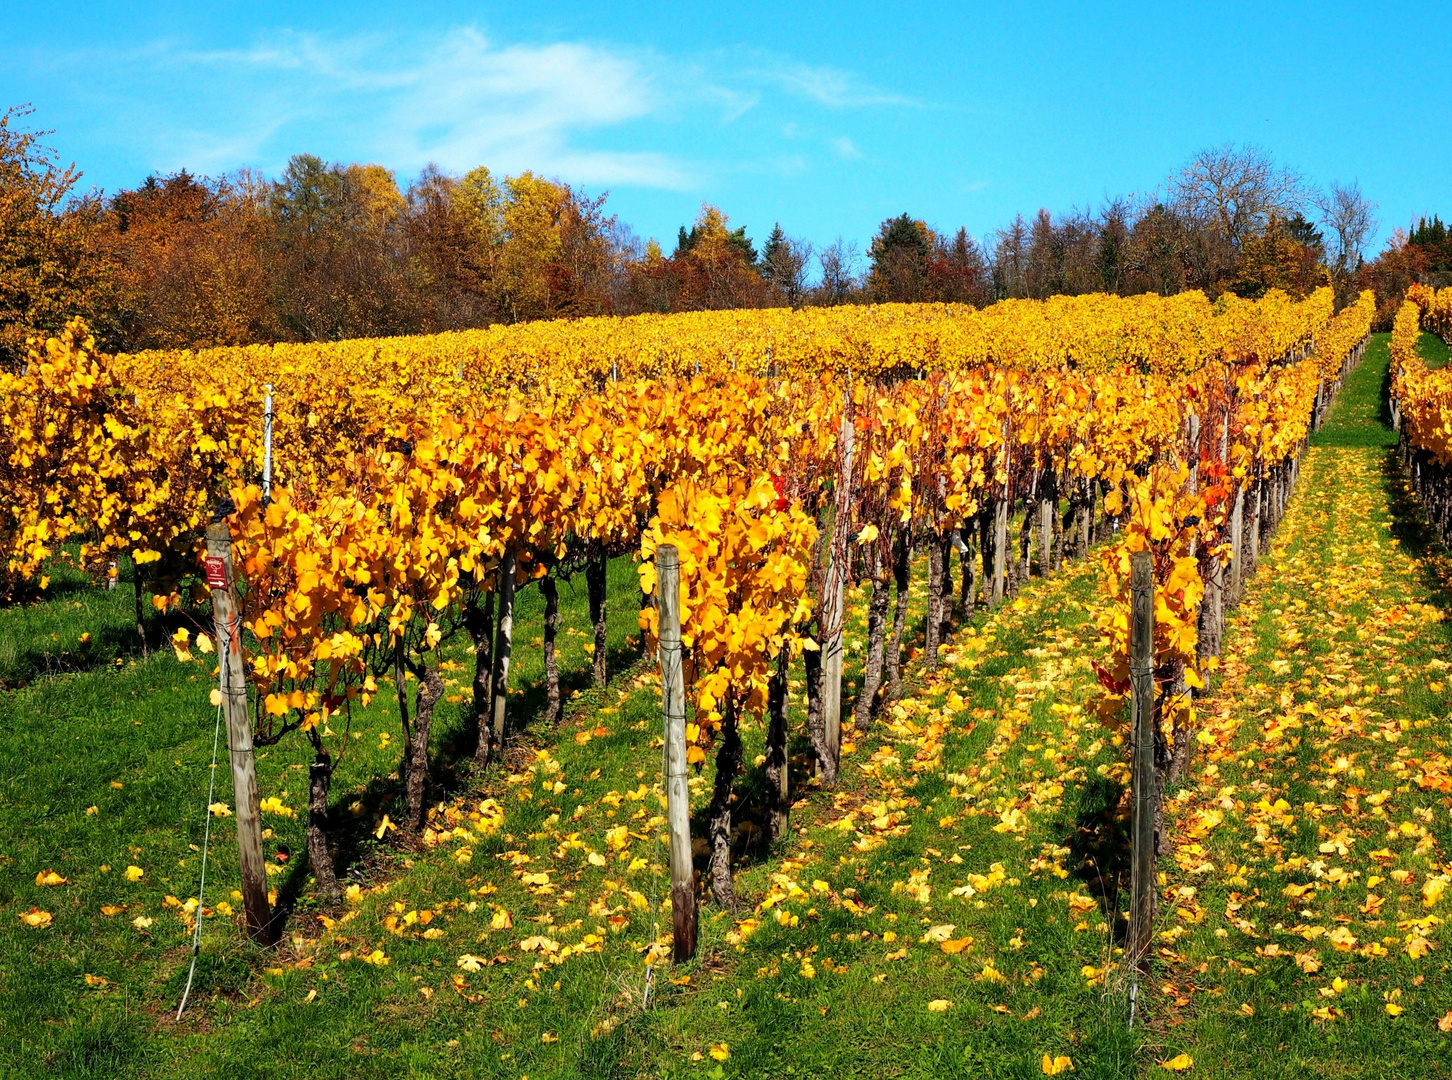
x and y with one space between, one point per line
1304 903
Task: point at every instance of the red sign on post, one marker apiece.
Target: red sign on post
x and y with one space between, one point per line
216 572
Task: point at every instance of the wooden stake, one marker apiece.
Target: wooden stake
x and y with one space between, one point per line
233 684
503 647
1000 551
1237 544
836 596
678 791
1142 725
1046 532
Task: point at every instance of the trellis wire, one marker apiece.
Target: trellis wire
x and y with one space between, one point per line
202 885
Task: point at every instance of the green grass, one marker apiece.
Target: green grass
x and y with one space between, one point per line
1433 350
1361 416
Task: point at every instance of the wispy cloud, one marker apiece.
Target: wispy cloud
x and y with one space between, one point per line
591 113
830 86
456 99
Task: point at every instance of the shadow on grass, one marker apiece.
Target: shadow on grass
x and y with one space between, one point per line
1099 849
1410 527
356 850
26 658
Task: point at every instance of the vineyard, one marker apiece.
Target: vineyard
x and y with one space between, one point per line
907 540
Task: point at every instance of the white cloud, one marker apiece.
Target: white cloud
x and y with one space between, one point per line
831 87
593 114
455 99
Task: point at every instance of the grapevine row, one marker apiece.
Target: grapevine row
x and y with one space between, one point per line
414 491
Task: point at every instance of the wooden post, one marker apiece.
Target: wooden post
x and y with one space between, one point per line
1000 551
1142 723
1237 553
1257 497
1046 534
233 685
836 597
503 646
678 791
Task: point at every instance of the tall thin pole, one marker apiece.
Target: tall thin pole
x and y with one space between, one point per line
233 686
836 596
503 647
1142 685
678 791
267 448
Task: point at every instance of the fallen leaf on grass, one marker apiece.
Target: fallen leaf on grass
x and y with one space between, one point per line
49 877
1178 1063
1054 1066
939 1005
36 918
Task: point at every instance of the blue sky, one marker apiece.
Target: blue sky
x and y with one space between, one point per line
825 117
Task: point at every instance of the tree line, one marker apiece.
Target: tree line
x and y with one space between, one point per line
328 251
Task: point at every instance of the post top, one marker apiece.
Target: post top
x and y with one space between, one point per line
667 555
219 530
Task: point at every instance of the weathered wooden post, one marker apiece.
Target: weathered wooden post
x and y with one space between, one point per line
1237 544
836 586
1048 504
678 791
1257 497
503 647
1000 550
226 612
1001 506
1142 726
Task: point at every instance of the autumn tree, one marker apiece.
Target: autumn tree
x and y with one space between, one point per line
958 271
1349 218
454 226
48 271
784 266
192 263
338 265
712 267
555 256
838 262
1287 255
1238 189
899 258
